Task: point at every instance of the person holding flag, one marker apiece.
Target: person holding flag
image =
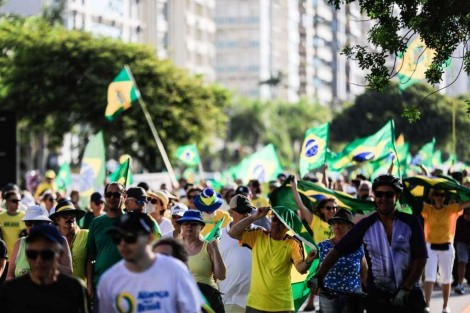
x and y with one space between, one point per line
273 254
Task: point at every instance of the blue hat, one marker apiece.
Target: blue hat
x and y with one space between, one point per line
208 201
191 216
48 232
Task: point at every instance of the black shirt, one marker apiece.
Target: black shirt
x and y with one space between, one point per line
462 232
21 295
3 250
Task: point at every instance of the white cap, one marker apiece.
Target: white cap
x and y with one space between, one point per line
178 209
36 213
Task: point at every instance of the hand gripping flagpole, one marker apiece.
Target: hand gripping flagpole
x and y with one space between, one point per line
160 146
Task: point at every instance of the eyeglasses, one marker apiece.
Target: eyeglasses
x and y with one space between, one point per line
15 201
51 199
128 238
153 201
192 196
439 194
35 223
387 194
46 255
330 208
192 224
115 194
338 222
66 216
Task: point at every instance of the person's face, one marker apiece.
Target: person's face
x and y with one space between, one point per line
191 196
340 228
30 224
363 192
74 197
43 257
191 229
385 199
12 203
66 223
50 201
252 188
114 197
329 210
237 217
133 205
131 246
277 227
439 196
175 218
97 205
164 249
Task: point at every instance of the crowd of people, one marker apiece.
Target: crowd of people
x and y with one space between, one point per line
196 249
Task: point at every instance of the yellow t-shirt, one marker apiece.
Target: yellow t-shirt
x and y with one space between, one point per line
321 229
11 227
79 253
272 260
439 225
210 222
260 202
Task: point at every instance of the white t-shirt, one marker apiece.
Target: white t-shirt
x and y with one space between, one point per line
237 259
166 227
167 286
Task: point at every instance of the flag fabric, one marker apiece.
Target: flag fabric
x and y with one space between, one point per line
314 147
188 155
437 158
215 232
63 179
425 154
312 193
93 169
122 92
289 218
372 148
123 174
263 165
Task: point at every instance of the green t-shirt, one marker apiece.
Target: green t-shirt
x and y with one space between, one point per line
101 246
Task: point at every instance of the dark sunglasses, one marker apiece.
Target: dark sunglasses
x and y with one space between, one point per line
35 223
439 194
387 194
128 238
192 196
115 194
46 255
16 201
51 199
192 224
330 208
153 201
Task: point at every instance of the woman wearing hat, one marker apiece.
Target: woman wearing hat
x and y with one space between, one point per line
209 202
18 265
157 207
65 217
205 261
344 279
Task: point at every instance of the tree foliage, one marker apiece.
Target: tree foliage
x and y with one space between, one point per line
55 79
443 25
373 109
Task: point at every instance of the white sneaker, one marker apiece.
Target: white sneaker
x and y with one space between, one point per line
427 310
446 310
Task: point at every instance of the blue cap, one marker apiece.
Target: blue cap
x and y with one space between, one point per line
191 216
48 232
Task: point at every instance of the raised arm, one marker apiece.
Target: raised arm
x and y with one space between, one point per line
237 230
218 266
304 211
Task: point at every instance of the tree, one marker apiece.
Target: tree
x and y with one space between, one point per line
443 25
55 79
373 109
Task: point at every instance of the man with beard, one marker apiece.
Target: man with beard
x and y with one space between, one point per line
395 252
365 191
102 252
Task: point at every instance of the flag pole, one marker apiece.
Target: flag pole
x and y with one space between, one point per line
160 146
201 171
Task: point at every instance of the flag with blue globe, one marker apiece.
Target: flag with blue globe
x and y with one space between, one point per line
313 153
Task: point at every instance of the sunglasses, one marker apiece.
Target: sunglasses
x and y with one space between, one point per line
192 196
192 224
387 194
127 237
35 223
439 194
330 208
111 194
46 255
153 201
16 201
51 199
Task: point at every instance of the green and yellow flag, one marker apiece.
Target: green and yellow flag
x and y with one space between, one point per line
122 92
188 155
425 154
123 174
314 147
64 177
263 165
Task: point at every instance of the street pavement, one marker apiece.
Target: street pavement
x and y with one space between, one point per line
457 303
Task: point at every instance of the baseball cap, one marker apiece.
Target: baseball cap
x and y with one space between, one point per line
137 193
48 232
242 190
133 222
36 213
178 209
96 197
241 204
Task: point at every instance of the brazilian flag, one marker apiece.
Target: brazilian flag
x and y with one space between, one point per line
122 92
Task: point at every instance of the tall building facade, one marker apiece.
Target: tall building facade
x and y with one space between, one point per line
257 48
